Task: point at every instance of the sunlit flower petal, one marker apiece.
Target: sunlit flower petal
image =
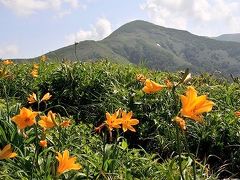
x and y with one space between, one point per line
152 87
32 98
25 118
48 121
112 120
193 106
46 97
66 163
7 153
127 122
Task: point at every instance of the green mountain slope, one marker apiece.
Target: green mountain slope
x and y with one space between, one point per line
229 37
159 48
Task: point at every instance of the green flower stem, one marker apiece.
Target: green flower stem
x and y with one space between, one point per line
7 102
191 156
179 151
35 157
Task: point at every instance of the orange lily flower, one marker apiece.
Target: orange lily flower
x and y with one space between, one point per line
127 122
112 121
46 97
7 62
193 106
48 121
237 114
32 98
7 153
43 58
35 66
43 143
152 87
181 122
34 73
65 123
66 163
25 118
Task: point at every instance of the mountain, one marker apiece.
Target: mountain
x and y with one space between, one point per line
158 47
229 37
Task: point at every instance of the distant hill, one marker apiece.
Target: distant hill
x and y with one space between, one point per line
159 48
229 37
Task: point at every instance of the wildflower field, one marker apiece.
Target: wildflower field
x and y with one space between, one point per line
100 120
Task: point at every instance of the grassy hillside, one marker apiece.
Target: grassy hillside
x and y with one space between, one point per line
82 94
160 48
229 37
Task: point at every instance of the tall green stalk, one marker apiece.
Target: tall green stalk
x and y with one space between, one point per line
35 157
179 149
7 101
191 156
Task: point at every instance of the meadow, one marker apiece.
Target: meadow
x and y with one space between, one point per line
100 120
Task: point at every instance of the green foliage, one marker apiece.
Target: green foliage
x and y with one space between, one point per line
84 92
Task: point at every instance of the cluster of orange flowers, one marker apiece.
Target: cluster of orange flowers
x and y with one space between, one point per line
114 121
66 163
34 71
193 106
33 98
6 152
27 118
117 119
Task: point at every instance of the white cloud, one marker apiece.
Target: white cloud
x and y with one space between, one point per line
9 51
204 17
73 3
100 30
29 7
24 7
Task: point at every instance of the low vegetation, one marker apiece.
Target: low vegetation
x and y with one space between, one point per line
100 120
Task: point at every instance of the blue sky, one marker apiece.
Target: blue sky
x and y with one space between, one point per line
30 28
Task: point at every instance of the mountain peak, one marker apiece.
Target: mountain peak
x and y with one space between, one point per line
159 48
229 37
133 26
